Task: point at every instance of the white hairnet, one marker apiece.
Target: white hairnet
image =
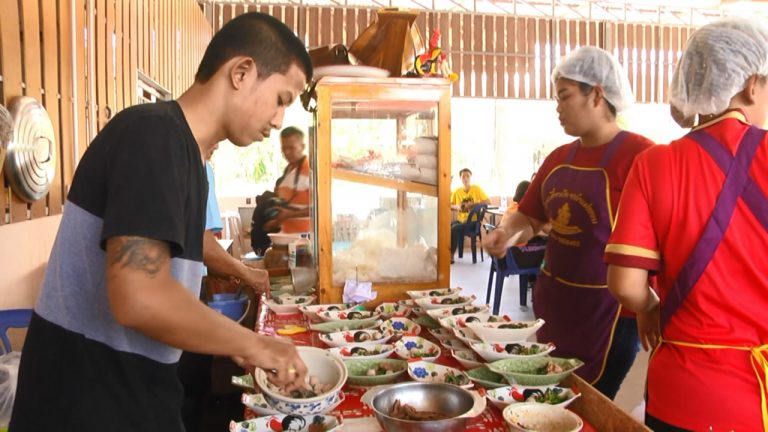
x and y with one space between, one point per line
595 66
717 61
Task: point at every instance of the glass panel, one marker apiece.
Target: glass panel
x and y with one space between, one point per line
386 139
383 194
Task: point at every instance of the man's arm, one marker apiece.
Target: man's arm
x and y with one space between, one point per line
145 297
221 263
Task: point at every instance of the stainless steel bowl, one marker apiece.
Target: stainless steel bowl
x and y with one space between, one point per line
445 398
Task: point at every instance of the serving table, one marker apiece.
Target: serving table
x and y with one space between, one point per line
358 416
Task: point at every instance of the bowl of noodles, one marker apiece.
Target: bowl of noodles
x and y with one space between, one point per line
423 407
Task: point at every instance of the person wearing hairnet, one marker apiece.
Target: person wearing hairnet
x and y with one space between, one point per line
577 191
695 213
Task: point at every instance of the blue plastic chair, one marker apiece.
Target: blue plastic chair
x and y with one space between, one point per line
503 267
12 318
472 230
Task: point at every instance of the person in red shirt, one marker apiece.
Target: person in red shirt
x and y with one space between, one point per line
695 213
577 191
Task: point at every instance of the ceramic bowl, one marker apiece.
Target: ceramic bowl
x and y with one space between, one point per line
463 321
496 351
350 314
502 333
287 423
414 347
393 310
327 367
529 417
288 304
484 377
439 292
455 300
453 343
401 327
352 337
359 371
503 396
441 333
459 310
346 325
257 404
466 358
524 371
363 351
411 303
311 311
245 382
418 311
466 335
428 372
426 322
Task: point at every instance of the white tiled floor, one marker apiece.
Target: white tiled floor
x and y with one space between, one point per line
473 278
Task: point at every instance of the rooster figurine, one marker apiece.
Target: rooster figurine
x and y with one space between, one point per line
433 62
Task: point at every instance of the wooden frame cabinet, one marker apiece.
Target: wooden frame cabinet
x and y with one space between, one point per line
367 164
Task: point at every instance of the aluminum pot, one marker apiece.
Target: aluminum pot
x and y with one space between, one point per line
454 401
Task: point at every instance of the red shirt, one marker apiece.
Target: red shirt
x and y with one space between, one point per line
667 201
617 169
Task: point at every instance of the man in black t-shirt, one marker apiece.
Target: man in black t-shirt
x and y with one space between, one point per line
119 300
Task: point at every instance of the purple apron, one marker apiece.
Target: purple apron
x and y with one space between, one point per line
571 294
737 184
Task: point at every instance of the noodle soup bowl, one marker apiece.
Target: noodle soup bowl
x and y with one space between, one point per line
458 404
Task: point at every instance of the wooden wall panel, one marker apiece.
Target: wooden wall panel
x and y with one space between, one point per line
66 99
50 70
509 57
36 42
12 84
33 80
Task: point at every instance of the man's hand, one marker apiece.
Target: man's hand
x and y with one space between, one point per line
495 242
279 359
648 327
257 279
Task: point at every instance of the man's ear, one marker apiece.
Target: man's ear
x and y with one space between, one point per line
240 69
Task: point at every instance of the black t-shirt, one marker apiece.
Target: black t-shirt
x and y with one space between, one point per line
141 176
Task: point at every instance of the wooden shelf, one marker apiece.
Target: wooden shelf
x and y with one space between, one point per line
390 183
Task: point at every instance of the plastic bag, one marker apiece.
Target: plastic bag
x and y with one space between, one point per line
9 372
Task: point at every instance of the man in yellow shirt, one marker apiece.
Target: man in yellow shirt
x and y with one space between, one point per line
464 199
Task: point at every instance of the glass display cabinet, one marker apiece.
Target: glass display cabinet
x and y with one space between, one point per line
381 150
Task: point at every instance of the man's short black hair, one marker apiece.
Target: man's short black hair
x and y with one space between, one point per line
291 131
264 38
463 170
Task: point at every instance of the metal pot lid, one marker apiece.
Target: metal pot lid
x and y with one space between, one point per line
30 162
6 133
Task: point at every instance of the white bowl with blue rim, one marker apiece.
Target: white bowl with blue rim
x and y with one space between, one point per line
327 367
414 347
428 372
287 422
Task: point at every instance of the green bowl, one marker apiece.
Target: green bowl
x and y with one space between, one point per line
358 369
337 326
484 377
522 370
427 321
